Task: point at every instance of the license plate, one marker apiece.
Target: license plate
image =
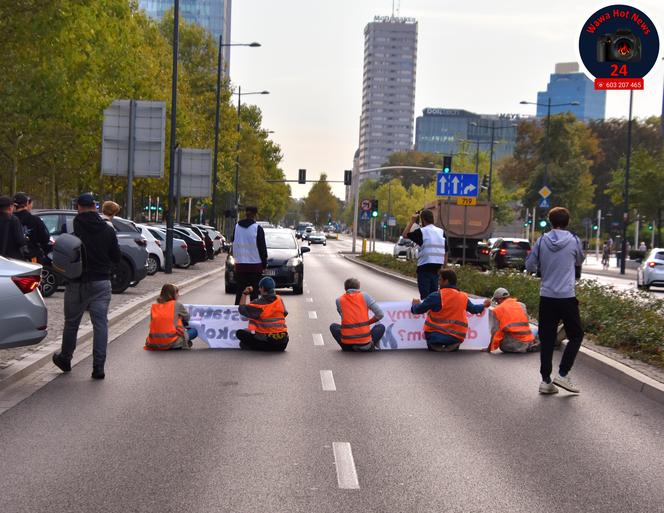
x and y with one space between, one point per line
270 272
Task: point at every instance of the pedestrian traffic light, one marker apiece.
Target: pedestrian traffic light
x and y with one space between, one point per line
374 208
348 177
447 164
302 176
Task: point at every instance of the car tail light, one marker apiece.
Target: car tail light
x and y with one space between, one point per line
503 252
652 264
158 242
184 246
484 251
141 241
27 284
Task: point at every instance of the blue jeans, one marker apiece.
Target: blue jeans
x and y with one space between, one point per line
427 282
192 332
377 332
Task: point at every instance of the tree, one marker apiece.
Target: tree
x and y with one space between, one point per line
320 204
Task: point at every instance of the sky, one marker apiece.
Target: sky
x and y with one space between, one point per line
484 56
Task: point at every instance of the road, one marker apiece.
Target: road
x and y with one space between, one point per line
229 431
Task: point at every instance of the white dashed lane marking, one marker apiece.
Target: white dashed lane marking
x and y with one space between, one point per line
318 339
308 300
313 314
327 381
343 460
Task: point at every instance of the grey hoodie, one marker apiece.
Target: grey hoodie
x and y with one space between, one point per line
556 253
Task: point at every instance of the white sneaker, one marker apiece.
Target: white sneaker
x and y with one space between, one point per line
566 383
547 388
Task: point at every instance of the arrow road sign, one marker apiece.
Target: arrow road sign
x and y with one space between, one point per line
457 184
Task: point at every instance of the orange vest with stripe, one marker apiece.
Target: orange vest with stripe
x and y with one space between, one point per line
166 327
355 325
272 319
513 322
452 318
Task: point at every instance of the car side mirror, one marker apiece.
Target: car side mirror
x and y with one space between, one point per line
305 249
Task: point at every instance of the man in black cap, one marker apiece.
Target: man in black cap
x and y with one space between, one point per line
91 292
12 240
250 254
33 228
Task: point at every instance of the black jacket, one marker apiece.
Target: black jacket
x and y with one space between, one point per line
101 246
12 240
36 232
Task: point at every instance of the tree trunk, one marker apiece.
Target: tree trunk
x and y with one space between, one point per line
659 227
53 192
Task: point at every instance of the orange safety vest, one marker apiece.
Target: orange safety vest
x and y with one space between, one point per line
512 321
355 325
166 328
451 319
272 319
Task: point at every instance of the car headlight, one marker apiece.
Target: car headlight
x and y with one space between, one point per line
294 262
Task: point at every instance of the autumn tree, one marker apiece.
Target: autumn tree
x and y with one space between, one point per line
320 204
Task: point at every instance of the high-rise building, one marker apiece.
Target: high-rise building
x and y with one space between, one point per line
388 89
568 85
213 15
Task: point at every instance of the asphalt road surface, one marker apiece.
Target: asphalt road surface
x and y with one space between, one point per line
318 430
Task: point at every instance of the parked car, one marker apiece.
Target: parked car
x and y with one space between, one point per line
205 237
651 272
508 252
133 266
218 240
155 253
401 247
195 245
23 314
285 263
317 238
180 255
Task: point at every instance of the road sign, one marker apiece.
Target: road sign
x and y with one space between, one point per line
392 221
466 201
365 215
545 203
196 174
366 205
457 184
545 192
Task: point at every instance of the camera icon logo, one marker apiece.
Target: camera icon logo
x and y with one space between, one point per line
620 46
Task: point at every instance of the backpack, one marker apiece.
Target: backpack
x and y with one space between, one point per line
67 256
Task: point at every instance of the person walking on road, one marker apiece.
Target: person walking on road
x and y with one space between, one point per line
355 332
447 311
92 291
33 228
13 243
250 254
432 255
267 329
169 322
510 326
556 255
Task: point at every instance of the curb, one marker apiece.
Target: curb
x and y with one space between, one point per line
622 373
42 357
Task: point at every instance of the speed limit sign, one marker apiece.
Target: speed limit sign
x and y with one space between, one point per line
366 205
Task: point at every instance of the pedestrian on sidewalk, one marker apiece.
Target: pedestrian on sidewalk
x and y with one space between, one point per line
447 309
250 254
355 332
13 243
606 255
432 255
556 255
267 329
92 291
33 228
109 209
510 326
169 321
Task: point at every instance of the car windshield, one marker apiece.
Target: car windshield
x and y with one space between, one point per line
276 240
515 246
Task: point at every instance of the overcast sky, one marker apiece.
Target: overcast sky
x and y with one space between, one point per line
482 55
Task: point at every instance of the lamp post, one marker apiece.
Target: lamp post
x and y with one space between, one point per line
215 176
491 127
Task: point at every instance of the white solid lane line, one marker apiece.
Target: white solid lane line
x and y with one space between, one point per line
343 459
327 380
313 314
318 339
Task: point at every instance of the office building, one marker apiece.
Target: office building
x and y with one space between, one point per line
213 15
388 90
568 85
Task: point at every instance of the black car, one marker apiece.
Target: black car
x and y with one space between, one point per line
507 252
203 234
195 245
284 261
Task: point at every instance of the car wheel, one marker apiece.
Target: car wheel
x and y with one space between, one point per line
324 243
230 288
298 289
120 277
49 283
153 265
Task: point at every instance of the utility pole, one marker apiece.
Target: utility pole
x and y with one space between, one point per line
623 258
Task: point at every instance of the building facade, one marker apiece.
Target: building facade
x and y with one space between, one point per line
213 15
568 85
388 90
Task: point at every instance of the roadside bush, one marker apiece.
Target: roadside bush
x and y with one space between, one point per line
632 322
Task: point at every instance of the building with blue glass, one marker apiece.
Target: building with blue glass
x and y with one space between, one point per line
568 85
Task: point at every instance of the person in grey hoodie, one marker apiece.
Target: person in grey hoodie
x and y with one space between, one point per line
556 256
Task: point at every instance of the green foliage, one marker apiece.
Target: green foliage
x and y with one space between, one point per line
320 204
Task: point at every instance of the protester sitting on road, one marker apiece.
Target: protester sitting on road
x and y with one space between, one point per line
109 209
446 324
510 327
13 243
267 329
354 333
168 322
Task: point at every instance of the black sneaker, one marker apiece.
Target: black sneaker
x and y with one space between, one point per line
98 372
61 363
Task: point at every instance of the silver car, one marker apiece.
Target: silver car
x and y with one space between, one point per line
651 271
23 314
180 254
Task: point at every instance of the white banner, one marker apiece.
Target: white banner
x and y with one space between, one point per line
217 324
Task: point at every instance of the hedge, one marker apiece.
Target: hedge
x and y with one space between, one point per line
632 322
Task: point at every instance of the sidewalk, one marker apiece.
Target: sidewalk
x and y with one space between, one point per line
594 266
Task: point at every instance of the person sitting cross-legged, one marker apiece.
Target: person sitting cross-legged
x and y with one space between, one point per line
267 329
169 322
510 327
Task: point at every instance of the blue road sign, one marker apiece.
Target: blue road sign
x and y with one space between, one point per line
545 203
365 215
457 184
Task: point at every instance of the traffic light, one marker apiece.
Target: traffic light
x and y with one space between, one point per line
485 182
595 227
348 177
650 226
374 208
302 176
542 223
447 164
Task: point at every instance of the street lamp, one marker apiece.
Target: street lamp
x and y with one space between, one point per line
491 127
215 176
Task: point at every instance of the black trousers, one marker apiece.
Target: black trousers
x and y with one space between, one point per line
249 341
244 280
551 312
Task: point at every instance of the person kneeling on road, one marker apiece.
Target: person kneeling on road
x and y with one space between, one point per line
446 324
168 323
267 329
510 327
354 332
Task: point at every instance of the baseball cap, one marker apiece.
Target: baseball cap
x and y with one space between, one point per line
87 199
501 293
267 283
21 199
5 201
